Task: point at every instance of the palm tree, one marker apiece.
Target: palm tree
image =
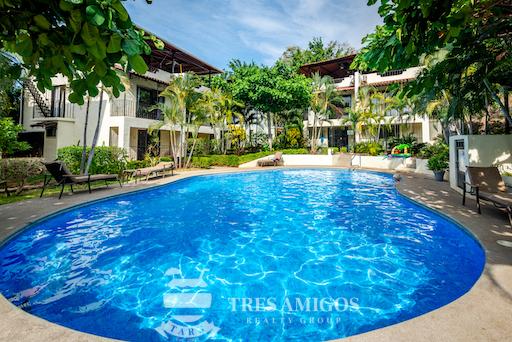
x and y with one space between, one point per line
440 109
171 117
184 94
322 105
225 113
362 111
353 118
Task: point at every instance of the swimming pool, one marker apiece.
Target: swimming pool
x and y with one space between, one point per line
282 254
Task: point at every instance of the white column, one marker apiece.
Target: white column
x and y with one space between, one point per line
357 84
425 129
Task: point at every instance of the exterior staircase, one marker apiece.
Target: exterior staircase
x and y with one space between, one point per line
42 104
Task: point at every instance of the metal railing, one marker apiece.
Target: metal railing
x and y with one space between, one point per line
391 73
68 111
128 107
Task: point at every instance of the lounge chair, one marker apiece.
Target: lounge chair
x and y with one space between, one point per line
486 184
63 176
160 168
276 160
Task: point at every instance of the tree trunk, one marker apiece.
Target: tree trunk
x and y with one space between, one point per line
507 109
446 134
486 123
504 108
269 130
84 150
187 165
314 134
96 134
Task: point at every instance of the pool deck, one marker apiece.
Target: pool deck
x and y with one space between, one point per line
482 314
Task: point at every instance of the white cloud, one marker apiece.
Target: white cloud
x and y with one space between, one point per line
258 30
273 27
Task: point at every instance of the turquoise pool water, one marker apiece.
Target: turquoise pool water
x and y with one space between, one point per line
272 255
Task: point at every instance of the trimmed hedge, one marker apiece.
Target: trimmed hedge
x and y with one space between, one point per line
107 159
370 147
205 162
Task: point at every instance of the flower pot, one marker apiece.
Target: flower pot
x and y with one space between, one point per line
439 175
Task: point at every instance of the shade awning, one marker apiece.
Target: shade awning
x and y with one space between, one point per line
336 68
175 60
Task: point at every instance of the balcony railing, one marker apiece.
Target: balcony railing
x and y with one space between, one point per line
44 106
391 73
128 107
66 110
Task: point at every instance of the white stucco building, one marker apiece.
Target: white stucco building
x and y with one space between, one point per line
51 121
335 132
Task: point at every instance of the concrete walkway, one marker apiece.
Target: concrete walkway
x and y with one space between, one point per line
483 314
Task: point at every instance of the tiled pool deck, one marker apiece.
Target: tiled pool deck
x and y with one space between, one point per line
482 314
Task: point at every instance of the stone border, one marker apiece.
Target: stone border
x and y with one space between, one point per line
492 322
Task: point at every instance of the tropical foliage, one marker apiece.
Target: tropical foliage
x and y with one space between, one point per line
464 45
107 159
316 51
9 137
82 40
325 103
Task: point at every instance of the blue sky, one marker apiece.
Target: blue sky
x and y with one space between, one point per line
257 30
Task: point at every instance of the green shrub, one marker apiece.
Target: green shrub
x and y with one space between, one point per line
137 164
224 160
372 148
16 171
234 161
166 159
437 163
430 150
107 159
438 156
201 162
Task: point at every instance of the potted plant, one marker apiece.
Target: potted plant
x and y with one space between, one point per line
438 163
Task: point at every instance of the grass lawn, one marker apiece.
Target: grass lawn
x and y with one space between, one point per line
51 190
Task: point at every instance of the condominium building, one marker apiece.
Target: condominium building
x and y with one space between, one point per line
336 132
51 121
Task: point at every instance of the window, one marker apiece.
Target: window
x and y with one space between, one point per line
146 98
51 131
114 136
347 101
59 101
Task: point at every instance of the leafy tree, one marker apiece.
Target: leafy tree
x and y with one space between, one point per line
270 90
9 86
187 109
316 51
237 136
9 137
82 40
466 45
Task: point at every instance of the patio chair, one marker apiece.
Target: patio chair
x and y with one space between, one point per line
276 160
160 168
63 176
486 184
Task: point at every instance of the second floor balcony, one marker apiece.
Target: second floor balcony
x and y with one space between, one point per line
130 108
